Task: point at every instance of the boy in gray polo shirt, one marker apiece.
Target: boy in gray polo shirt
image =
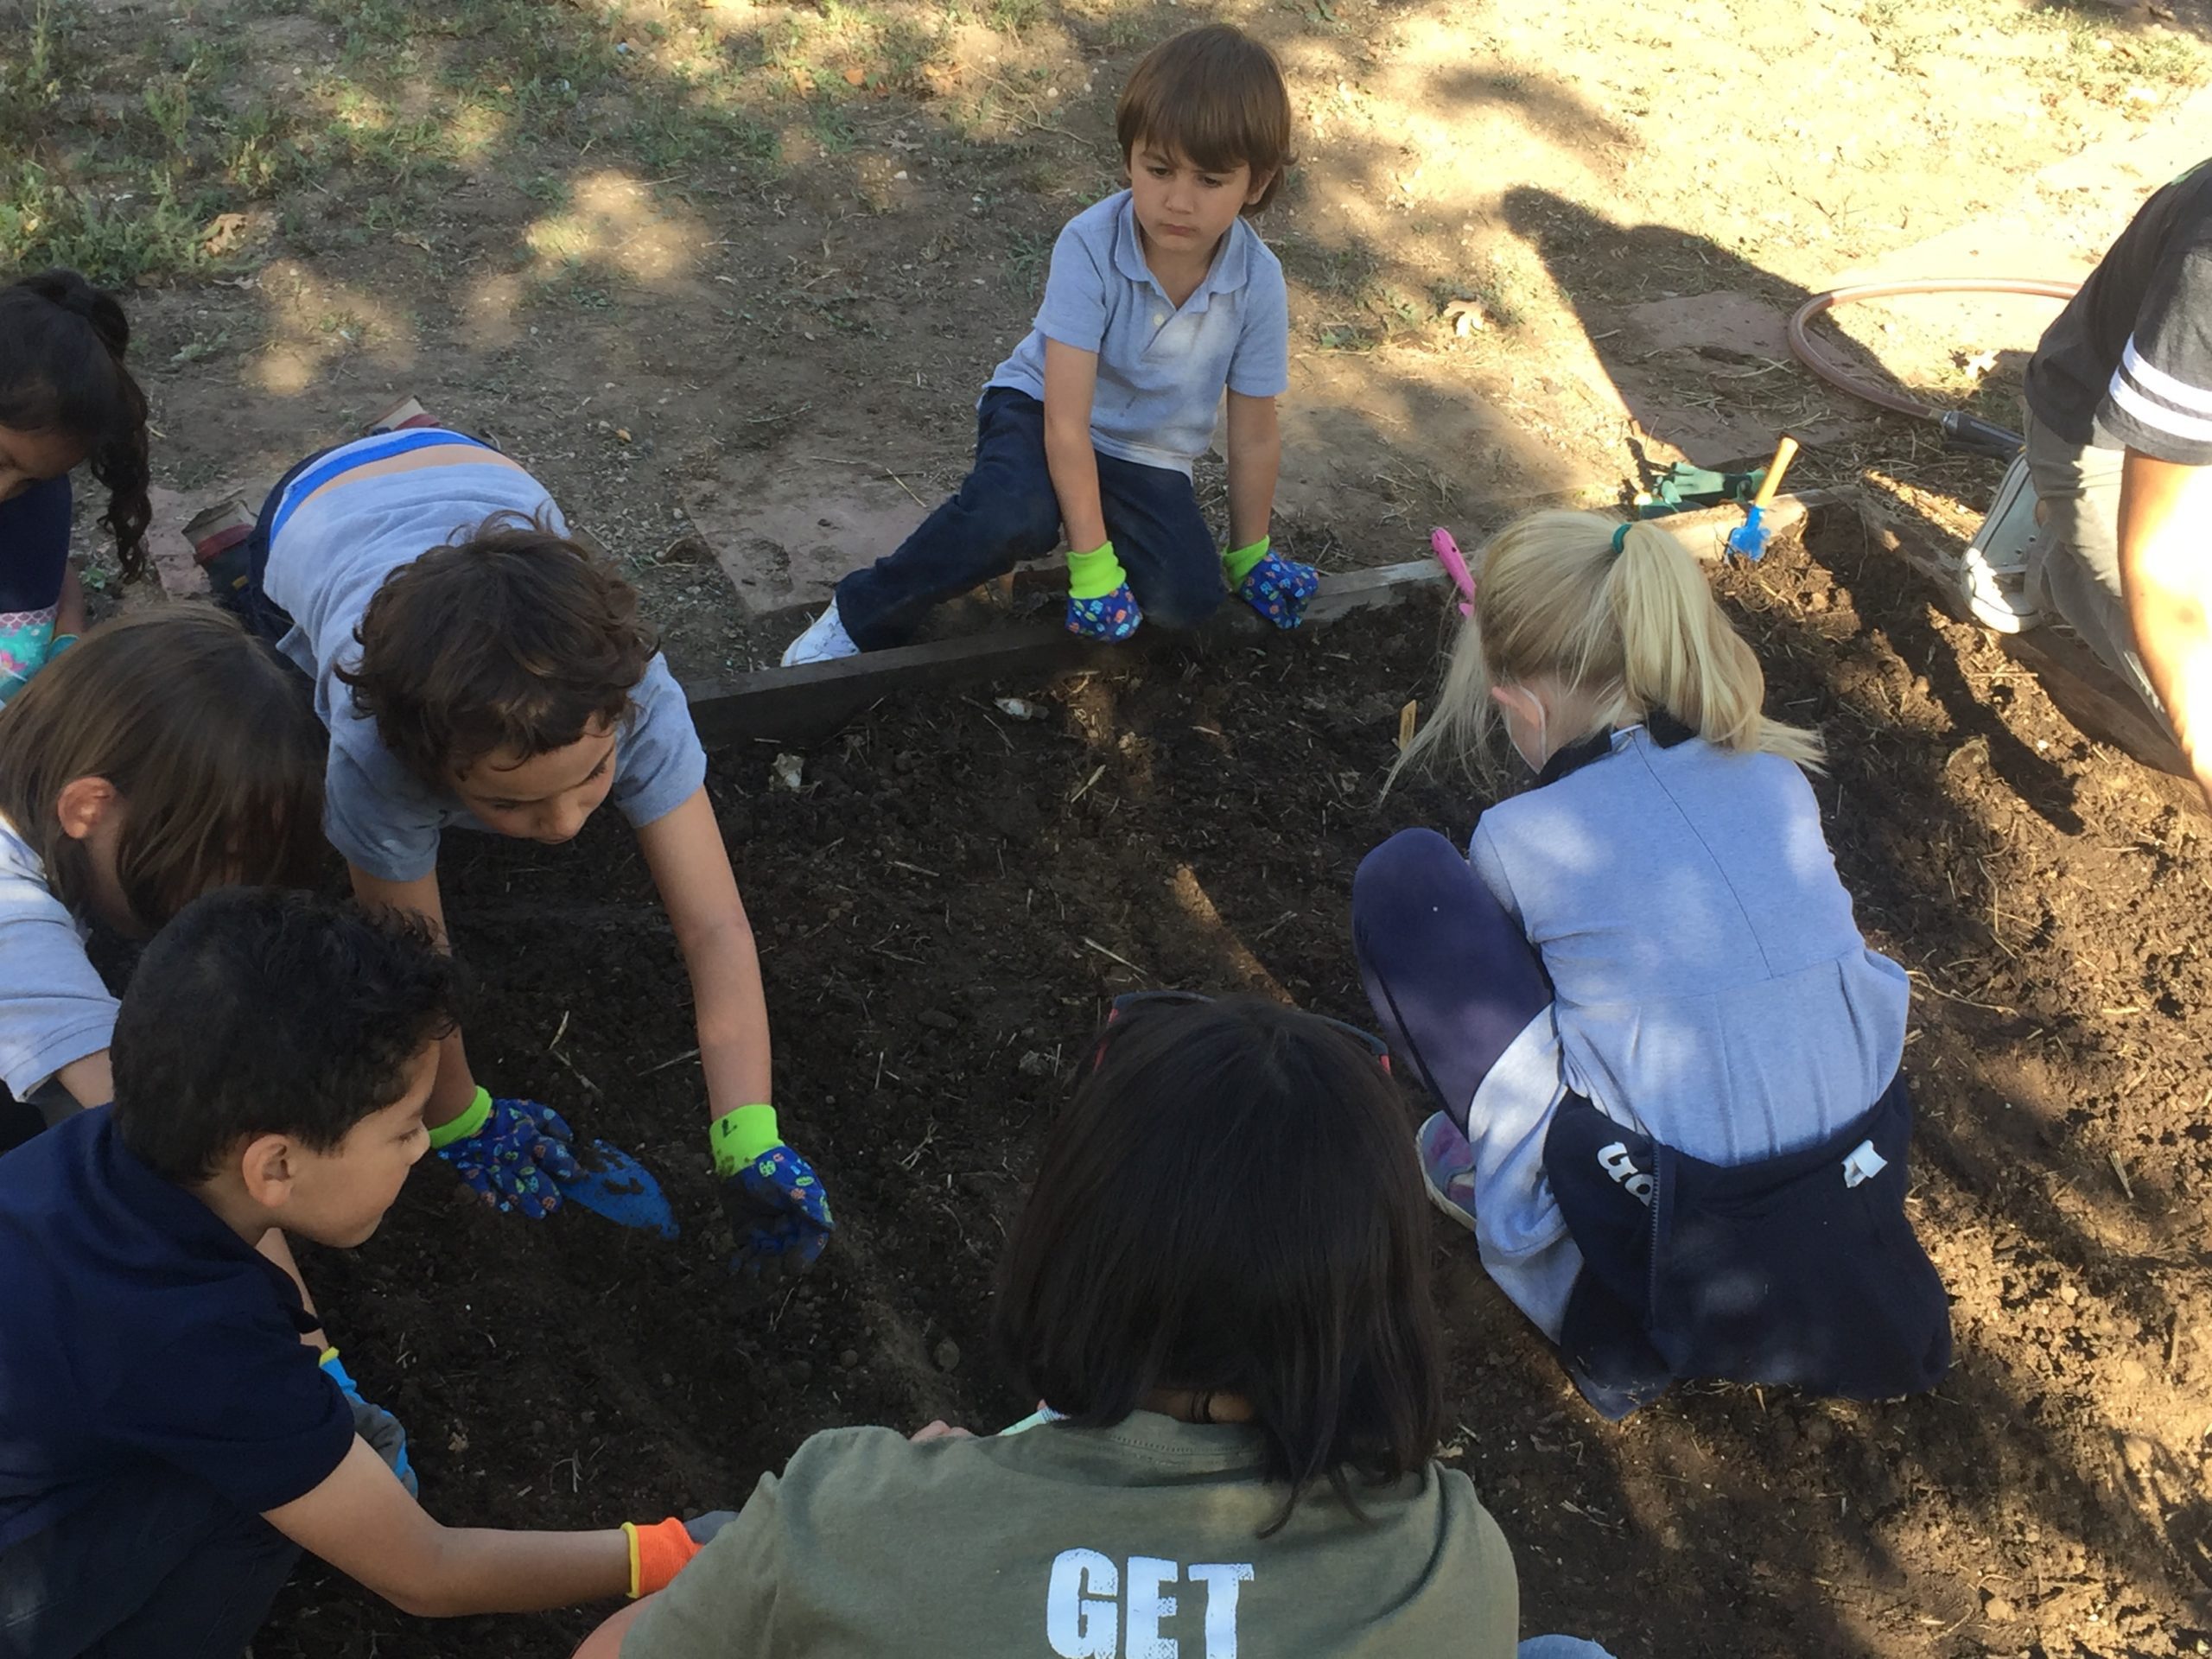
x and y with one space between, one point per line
1160 298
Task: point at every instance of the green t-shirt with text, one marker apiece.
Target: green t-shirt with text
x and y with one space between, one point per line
1138 1541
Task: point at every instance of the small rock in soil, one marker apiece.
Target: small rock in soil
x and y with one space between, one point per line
1999 1610
687 550
948 1355
849 1359
937 1019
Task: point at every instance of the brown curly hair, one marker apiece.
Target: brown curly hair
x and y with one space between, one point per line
512 640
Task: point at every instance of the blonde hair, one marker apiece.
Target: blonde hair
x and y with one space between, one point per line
1627 632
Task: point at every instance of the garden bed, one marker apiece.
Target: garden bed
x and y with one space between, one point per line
953 893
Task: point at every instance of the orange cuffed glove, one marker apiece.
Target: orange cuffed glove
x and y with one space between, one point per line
659 1552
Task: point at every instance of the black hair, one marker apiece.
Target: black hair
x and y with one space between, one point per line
267 1011
61 349
1230 1205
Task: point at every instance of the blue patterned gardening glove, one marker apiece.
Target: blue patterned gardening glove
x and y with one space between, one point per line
512 1153
374 1424
1100 604
777 1211
1269 583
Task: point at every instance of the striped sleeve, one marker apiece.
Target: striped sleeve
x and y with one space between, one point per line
2159 401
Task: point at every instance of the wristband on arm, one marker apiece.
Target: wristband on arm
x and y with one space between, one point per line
658 1554
740 1137
1238 562
1095 574
469 1122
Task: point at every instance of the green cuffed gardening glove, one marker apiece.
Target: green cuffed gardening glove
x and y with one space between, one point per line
777 1211
1100 604
1269 583
514 1154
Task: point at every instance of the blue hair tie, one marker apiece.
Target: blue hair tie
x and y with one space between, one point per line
1620 537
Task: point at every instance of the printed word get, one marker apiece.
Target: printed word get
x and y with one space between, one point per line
1089 1615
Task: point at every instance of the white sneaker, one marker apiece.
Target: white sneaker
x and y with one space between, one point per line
824 641
1993 572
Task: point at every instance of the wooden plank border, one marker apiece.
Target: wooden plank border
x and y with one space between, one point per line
801 705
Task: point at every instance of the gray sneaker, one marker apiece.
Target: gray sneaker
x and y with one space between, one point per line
824 641
1993 570
1447 1168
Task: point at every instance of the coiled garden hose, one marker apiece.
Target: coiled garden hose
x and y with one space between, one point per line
1959 431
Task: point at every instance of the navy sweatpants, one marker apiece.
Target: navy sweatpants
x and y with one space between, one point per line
1007 512
1452 980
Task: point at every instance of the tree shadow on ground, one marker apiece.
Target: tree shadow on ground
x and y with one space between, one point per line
1614 276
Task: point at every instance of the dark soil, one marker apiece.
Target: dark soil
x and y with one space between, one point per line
949 900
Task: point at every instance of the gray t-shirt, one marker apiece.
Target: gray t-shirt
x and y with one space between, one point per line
1710 986
1082 1543
1161 369
53 1007
341 529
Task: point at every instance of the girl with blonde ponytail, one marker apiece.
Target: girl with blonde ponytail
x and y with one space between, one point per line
1665 1059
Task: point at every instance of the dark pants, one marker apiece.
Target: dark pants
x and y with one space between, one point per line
262 615
34 531
20 1119
1007 512
156 1564
1452 980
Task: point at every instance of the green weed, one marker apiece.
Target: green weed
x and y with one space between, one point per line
2112 66
1011 16
1027 256
114 239
168 105
1347 272
831 125
259 152
31 81
672 136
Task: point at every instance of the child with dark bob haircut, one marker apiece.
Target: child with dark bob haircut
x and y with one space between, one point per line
1160 299
477 667
67 400
171 1442
1219 1286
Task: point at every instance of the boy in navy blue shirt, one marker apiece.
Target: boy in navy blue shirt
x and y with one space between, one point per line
168 1443
1158 299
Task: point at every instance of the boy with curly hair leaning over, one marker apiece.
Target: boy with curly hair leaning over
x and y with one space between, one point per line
476 667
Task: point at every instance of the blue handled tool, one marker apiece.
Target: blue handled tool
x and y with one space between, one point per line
1749 539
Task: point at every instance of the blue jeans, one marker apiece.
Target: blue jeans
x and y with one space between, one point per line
153 1566
1007 511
